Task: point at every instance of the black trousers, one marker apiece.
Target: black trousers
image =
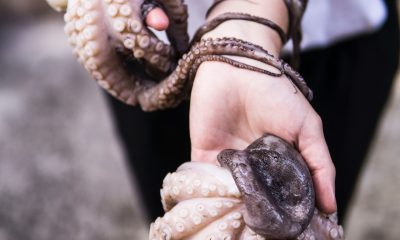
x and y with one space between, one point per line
351 81
155 143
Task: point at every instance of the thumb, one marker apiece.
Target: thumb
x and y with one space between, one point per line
315 152
157 19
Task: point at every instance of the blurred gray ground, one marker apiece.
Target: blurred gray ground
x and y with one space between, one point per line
62 174
376 207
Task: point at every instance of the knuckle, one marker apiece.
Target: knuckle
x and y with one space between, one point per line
317 121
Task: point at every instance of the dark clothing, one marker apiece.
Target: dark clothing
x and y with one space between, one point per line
155 143
351 81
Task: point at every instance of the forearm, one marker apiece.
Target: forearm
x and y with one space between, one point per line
274 10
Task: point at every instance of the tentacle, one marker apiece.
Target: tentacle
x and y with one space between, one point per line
296 9
262 55
85 27
227 227
216 58
215 22
209 181
191 216
298 80
248 234
171 91
201 216
185 185
129 60
177 31
129 32
322 226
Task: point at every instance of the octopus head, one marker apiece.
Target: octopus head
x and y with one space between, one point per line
275 184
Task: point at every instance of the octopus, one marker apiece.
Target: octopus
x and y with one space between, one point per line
262 192
109 38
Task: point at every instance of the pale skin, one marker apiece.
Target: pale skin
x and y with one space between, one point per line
232 107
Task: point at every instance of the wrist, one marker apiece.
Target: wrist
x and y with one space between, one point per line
250 32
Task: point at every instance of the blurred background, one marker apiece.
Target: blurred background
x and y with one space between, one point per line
62 172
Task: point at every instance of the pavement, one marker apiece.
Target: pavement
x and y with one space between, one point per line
62 171
62 174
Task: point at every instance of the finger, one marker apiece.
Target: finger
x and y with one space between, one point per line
313 148
157 19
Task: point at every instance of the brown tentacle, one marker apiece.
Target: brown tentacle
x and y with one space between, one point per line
177 30
262 55
215 22
148 6
129 60
217 58
296 9
170 92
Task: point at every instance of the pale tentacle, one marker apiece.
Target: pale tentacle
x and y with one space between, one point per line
127 29
269 171
248 234
85 27
323 226
183 185
184 220
191 216
227 227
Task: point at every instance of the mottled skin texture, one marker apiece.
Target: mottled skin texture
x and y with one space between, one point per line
275 184
264 192
126 59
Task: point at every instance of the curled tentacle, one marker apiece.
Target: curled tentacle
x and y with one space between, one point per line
110 39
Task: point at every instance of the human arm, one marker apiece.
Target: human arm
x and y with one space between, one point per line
232 107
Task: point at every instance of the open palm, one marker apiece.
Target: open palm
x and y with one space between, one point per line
232 107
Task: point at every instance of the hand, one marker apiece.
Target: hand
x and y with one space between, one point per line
232 107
